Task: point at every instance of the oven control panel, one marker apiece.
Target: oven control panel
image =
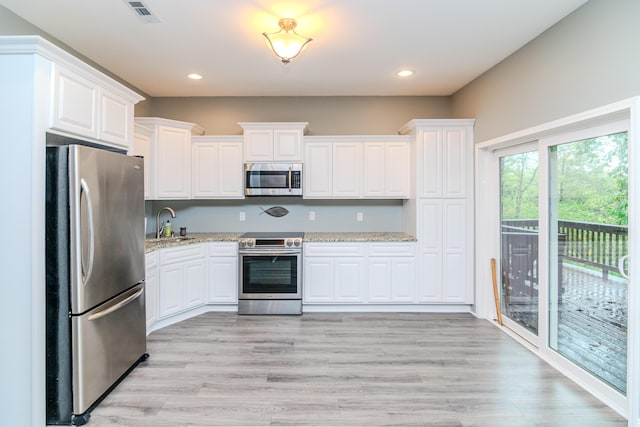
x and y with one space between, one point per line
257 243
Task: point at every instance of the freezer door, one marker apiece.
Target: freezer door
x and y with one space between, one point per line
106 342
106 198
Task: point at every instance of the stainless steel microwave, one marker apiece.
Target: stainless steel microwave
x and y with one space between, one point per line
273 179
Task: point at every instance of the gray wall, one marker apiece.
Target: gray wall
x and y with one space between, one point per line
587 60
326 115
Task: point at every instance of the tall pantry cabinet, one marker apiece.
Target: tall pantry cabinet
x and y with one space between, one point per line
440 209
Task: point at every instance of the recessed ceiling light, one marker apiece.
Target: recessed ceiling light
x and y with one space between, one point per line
404 73
194 76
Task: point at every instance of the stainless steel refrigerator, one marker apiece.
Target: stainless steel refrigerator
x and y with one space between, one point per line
95 314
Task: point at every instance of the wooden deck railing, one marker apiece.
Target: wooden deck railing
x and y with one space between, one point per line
597 245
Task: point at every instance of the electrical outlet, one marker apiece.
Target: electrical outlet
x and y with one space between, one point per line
242 216
359 216
312 216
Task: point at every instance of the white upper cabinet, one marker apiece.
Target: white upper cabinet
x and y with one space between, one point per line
75 106
170 172
317 178
347 170
216 167
90 106
447 162
273 141
358 167
386 170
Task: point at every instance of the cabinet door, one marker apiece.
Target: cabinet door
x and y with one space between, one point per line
403 279
258 145
397 170
456 286
116 119
431 177
204 173
348 280
374 169
380 279
75 104
170 288
222 280
347 169
318 181
142 147
287 145
230 171
446 273
173 162
430 238
456 162
318 280
151 289
194 278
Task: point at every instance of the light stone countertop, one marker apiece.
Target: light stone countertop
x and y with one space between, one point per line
363 237
152 244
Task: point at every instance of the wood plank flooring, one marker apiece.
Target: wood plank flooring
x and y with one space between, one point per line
335 369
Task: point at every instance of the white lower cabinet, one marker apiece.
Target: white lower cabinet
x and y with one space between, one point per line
446 275
334 273
334 280
391 272
151 288
359 273
181 279
222 273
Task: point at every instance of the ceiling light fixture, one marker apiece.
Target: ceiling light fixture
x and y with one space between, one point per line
286 43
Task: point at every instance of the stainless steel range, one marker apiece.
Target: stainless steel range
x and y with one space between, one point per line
270 277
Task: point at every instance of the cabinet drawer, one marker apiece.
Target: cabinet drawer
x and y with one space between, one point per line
182 253
334 249
223 249
392 249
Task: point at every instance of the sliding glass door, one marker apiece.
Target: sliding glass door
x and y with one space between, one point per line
563 232
519 284
588 246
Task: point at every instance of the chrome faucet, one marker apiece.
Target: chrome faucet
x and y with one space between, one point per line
159 226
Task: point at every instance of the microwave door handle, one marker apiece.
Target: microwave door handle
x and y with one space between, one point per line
289 179
87 264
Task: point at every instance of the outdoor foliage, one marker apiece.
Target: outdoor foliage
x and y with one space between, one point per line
590 185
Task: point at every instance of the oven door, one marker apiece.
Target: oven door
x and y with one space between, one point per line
270 275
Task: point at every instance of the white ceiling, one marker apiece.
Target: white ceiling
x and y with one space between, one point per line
358 45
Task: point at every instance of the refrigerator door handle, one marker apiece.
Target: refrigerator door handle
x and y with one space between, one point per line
118 305
87 264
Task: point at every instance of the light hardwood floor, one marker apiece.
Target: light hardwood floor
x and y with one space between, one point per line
345 370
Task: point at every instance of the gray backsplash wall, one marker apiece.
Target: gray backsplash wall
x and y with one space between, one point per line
330 215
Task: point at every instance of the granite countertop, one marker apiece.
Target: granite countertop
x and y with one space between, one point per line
358 237
152 244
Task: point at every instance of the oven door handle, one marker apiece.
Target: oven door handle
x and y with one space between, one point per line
269 252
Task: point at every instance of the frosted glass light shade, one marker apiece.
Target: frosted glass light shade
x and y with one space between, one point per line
286 43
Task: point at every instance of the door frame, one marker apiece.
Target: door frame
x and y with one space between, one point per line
487 243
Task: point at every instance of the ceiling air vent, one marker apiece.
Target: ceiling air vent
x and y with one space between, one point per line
142 11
